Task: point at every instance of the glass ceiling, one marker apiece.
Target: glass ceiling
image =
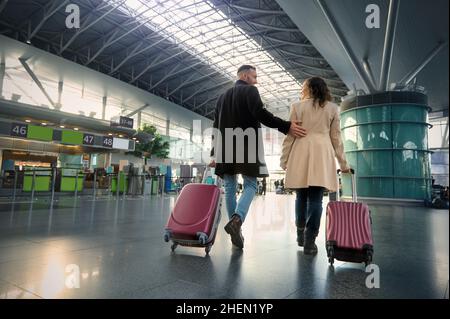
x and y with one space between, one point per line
204 31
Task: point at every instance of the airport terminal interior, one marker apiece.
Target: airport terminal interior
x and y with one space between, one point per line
106 110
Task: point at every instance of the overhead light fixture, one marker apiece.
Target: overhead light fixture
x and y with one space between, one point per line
62 126
110 134
44 124
28 121
76 128
120 135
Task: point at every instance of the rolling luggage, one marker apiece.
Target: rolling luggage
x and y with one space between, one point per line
196 216
349 230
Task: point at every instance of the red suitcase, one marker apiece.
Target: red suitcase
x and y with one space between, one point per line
349 230
195 217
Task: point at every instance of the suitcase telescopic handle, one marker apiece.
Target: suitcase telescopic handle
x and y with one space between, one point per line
354 194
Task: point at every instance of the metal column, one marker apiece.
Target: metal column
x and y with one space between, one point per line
105 100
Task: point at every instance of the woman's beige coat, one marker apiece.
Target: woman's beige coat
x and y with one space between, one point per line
310 160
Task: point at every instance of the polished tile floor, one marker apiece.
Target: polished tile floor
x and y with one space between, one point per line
111 248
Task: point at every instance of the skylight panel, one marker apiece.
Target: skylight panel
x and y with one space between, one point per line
205 31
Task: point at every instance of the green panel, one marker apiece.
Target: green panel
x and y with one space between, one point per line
123 183
408 112
374 163
348 118
72 137
374 114
412 188
68 183
412 163
374 136
155 186
410 136
350 138
349 132
40 133
352 159
368 187
41 183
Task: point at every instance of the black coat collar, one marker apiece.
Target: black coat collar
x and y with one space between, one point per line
240 82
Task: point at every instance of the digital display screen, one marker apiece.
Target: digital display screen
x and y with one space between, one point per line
72 137
121 144
40 133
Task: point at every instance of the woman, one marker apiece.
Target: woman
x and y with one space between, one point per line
310 161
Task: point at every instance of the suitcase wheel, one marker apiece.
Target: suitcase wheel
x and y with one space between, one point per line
330 254
207 249
331 260
368 258
202 238
174 246
166 236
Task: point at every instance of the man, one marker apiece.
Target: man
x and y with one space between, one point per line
240 109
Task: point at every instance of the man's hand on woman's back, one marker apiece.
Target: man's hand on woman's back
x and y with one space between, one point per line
296 130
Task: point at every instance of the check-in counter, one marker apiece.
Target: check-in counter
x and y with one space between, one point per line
123 183
42 180
69 180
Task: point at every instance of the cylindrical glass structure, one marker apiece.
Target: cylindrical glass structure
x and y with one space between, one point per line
386 141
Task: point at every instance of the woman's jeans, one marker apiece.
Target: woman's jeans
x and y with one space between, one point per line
308 210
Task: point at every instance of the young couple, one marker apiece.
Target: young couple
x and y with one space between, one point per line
312 142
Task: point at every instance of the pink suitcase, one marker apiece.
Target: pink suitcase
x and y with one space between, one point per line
349 230
195 217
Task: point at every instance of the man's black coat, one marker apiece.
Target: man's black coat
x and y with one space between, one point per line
241 107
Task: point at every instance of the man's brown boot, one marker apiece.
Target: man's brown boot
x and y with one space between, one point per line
234 229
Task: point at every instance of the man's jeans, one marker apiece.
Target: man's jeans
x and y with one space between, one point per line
308 210
241 207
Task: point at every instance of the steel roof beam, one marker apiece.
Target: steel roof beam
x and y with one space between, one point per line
205 102
135 52
112 39
85 26
350 55
3 5
413 73
258 10
153 65
179 86
143 107
172 74
267 26
388 48
369 72
201 91
36 80
49 11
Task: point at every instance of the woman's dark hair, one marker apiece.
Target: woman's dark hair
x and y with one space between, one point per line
319 90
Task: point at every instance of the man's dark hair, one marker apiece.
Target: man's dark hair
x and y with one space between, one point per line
246 67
